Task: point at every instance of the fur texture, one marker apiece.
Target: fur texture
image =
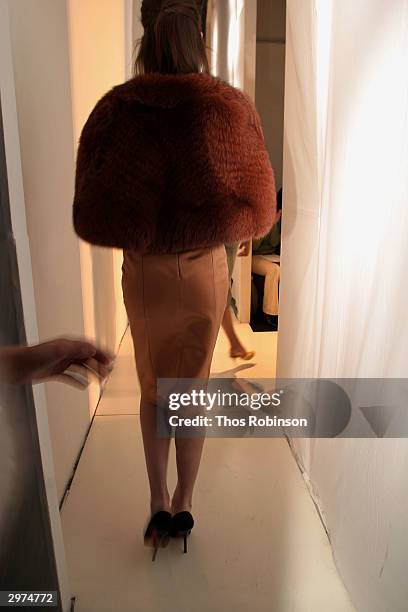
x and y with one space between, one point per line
168 163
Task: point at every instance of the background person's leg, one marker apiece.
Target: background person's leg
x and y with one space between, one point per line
236 346
271 291
271 271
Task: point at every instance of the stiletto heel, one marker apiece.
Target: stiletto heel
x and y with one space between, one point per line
157 531
181 526
185 534
156 548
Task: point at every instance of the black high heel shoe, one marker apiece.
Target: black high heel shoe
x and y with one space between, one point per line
181 526
158 531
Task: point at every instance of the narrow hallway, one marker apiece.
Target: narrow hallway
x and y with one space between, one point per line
259 543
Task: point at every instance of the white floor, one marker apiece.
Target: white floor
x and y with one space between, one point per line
258 544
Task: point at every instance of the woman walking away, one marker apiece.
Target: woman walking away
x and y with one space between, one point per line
171 166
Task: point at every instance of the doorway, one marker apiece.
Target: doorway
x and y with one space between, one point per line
269 100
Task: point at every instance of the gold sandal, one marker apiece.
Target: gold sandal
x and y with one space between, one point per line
245 355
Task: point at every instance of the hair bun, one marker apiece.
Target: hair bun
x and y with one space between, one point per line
150 11
170 6
153 9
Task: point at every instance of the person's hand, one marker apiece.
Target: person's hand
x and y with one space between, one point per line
244 249
22 365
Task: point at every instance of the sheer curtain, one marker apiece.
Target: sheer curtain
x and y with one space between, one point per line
344 302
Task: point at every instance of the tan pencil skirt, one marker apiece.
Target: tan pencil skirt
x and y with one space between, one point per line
175 305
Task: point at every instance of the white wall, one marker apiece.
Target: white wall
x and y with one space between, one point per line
77 289
41 66
345 263
97 36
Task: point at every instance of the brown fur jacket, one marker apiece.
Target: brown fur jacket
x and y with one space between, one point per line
168 163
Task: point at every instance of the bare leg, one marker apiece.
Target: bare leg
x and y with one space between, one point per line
157 455
228 327
188 457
